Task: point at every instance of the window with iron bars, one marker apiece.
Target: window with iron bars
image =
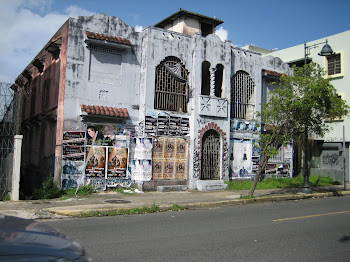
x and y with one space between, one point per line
171 91
334 64
242 96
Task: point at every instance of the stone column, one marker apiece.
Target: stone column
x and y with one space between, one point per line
16 167
212 81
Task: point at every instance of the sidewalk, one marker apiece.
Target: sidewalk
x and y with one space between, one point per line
55 208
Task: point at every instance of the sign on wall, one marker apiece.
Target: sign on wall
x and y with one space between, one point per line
72 159
169 158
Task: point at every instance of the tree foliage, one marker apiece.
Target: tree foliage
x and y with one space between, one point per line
300 108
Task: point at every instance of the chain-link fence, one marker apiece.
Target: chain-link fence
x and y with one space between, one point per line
7 132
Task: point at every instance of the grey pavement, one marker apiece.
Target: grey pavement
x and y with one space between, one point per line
111 200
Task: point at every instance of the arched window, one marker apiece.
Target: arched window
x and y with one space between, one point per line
218 80
211 155
171 91
205 90
242 96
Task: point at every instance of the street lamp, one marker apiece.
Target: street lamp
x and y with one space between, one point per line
325 51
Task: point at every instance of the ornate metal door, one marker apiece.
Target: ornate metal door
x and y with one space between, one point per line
210 163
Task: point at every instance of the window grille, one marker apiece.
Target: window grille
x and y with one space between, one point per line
334 65
171 92
242 96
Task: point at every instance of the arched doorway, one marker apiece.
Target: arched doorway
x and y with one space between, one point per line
211 155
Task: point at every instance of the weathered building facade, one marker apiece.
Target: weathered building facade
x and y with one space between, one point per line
172 105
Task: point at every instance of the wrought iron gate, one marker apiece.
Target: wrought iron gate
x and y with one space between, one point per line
210 164
7 132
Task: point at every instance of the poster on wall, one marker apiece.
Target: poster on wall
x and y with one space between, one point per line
141 164
180 169
105 135
72 158
241 164
169 148
73 145
158 149
95 162
117 162
74 137
169 158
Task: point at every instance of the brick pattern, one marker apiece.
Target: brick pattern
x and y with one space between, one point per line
201 132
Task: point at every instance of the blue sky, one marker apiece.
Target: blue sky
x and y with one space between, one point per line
26 25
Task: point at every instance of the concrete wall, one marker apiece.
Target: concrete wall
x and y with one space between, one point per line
80 89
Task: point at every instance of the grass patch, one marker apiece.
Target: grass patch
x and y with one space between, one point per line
271 183
176 207
82 191
6 197
130 211
49 190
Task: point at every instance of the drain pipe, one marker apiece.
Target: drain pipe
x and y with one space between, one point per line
344 173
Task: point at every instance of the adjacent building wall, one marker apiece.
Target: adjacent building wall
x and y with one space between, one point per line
327 161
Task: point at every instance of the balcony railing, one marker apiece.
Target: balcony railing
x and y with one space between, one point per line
212 106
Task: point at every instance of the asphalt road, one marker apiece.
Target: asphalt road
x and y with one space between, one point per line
305 230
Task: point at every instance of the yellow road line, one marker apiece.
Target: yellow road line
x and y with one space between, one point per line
319 215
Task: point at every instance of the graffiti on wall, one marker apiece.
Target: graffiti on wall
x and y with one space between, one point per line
225 152
330 160
195 159
72 173
202 121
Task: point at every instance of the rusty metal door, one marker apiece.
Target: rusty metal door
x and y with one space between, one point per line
210 164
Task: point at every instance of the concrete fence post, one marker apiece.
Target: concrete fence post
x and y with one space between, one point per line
16 167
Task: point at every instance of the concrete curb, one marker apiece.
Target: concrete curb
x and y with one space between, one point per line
167 207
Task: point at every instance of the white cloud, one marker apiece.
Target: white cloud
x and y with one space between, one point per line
24 32
222 33
139 28
75 11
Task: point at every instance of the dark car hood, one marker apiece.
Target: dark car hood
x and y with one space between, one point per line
25 237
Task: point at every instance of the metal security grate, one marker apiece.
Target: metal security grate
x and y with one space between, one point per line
171 92
334 65
242 96
210 166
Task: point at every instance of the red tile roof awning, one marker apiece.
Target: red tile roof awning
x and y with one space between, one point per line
271 73
93 110
107 38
